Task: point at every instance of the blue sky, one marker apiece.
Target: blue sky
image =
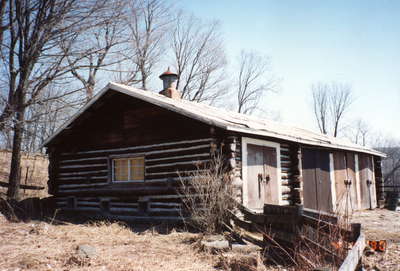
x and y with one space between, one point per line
309 41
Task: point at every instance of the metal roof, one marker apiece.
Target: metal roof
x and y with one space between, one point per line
226 120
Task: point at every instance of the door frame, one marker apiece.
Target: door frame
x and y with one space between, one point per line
277 188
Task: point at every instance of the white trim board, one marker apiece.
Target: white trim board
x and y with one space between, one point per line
333 181
278 185
358 182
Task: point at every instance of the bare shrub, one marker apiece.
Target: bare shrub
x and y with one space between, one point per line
207 196
325 245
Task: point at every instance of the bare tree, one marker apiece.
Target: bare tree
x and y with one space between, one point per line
199 58
148 22
340 101
3 18
330 103
361 131
253 81
43 118
32 58
98 49
320 95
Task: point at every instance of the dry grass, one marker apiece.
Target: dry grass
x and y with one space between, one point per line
41 246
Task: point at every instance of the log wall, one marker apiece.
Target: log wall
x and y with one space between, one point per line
286 174
83 180
80 170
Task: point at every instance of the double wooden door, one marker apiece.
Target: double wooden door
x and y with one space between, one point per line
261 176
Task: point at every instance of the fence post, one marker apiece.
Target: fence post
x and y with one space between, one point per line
355 231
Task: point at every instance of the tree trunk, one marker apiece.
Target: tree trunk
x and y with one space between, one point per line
14 177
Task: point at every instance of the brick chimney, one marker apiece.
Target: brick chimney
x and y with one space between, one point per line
169 83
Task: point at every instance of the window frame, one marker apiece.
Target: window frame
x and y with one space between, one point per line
112 158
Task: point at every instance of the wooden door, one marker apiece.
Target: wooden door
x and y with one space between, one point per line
316 180
351 175
340 178
344 165
270 175
261 172
366 191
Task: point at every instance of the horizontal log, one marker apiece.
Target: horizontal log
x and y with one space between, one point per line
175 173
163 210
141 147
84 159
115 190
320 215
285 189
280 219
84 166
61 186
172 196
178 157
87 208
287 163
164 204
147 219
281 210
83 172
193 162
123 204
105 177
284 156
23 186
87 203
122 209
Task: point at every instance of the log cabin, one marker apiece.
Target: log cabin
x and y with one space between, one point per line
119 156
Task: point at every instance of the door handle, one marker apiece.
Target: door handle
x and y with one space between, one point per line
260 179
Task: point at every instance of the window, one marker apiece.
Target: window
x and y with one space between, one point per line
128 169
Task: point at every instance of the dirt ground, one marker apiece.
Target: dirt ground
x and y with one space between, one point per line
43 246
381 224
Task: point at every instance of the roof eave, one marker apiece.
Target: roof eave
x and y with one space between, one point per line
304 141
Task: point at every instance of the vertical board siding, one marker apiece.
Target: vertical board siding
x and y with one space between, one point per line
316 179
367 193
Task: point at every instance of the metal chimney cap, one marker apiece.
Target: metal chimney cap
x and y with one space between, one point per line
168 73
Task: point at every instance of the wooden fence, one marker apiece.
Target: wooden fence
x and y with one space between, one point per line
291 226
